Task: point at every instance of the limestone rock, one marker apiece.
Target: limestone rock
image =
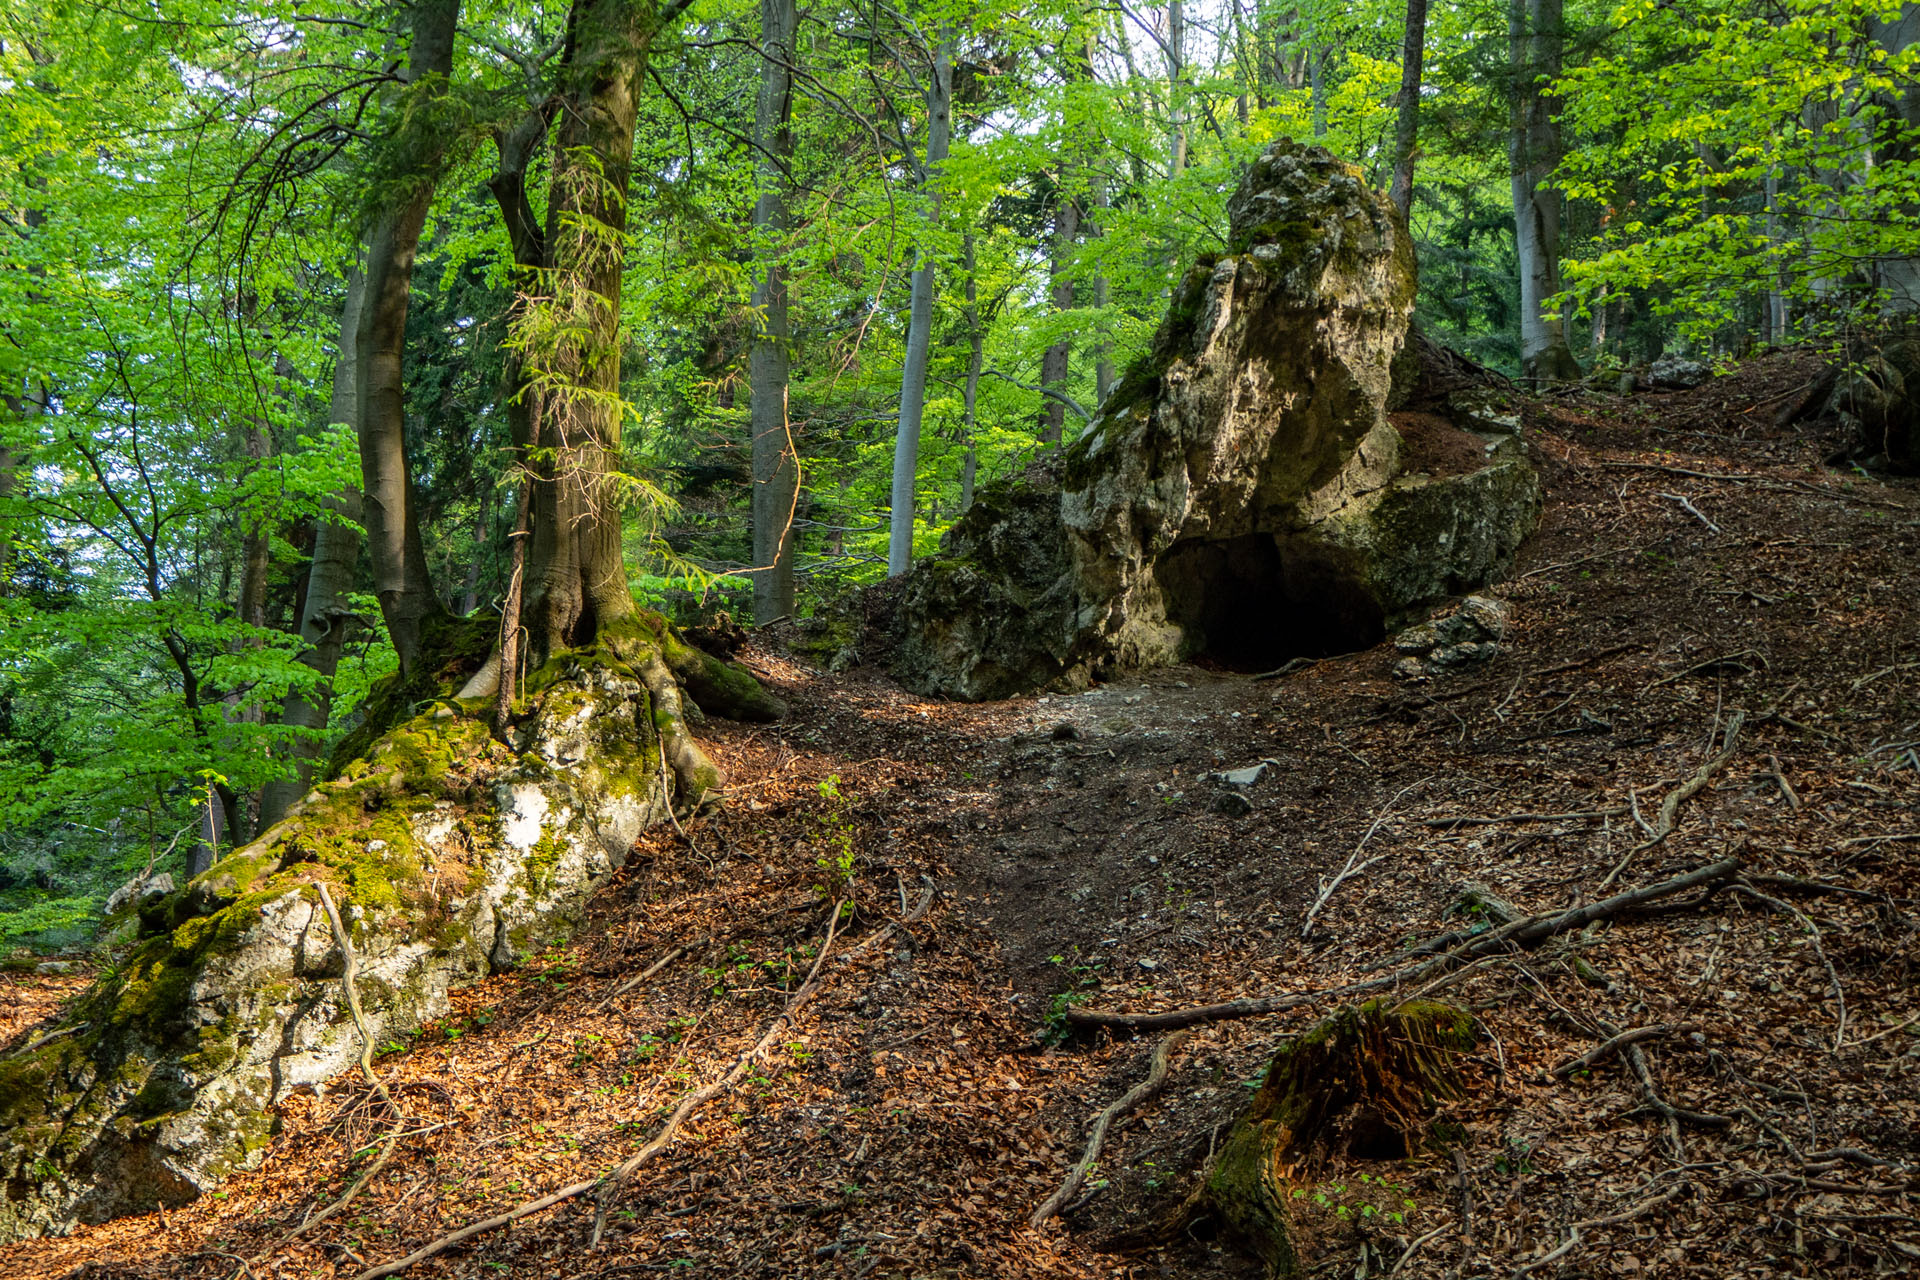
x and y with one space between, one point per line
1242 493
1677 373
1463 636
452 856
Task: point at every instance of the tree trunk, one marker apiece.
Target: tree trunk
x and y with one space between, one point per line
325 618
1317 88
776 465
1535 31
1406 130
400 577
1055 365
576 581
1177 87
970 393
913 376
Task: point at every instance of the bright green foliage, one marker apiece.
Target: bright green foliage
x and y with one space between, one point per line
1810 98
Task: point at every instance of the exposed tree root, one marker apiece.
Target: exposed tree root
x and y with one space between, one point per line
350 970
1670 807
1155 1081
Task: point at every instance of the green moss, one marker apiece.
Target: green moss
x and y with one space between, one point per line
453 649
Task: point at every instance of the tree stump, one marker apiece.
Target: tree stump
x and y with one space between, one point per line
1362 1084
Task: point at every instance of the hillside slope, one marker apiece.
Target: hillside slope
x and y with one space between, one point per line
1695 572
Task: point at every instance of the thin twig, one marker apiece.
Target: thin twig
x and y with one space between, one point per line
350 969
1670 807
1350 870
1156 1079
613 1177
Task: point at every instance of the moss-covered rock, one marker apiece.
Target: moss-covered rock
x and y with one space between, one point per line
1363 1083
450 852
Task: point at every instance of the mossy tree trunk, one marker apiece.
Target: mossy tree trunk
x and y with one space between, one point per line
1362 1084
569 338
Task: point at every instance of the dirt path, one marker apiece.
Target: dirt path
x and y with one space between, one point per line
1081 850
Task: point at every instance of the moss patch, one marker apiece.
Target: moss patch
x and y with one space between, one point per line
1363 1081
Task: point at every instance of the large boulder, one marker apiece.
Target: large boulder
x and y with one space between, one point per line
452 856
1243 494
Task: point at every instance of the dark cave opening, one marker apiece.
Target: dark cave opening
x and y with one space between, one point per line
1253 602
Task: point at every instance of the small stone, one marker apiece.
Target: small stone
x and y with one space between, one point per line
1244 777
1066 731
376 846
1416 640
1233 804
1149 965
1410 669
53 967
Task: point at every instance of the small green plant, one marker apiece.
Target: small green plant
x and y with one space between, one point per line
836 838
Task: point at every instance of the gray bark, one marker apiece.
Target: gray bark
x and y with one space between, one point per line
325 619
1535 30
1177 87
776 466
913 376
400 576
1055 364
970 392
1406 131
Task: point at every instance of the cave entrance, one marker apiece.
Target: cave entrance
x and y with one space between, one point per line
1253 602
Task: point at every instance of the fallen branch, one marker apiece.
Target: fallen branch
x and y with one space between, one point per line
1611 1220
611 1180
350 969
1772 482
1670 807
1415 1247
1499 819
1692 510
1813 931
1526 932
1349 870
651 969
1155 1081
891 927
1621 1041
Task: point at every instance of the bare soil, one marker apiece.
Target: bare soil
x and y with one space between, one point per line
1694 567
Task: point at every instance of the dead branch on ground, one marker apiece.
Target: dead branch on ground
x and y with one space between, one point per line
1670 807
1621 1041
1348 871
1527 932
1156 1079
611 1180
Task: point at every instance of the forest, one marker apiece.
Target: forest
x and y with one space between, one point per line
647 635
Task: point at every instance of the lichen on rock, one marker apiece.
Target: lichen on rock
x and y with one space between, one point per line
1242 494
452 855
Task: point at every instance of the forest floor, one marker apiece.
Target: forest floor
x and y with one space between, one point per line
926 1101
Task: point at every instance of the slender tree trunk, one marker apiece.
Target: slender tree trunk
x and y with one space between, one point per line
1177 87
400 576
1056 363
776 466
1406 130
1317 88
1535 30
970 392
325 618
913 376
